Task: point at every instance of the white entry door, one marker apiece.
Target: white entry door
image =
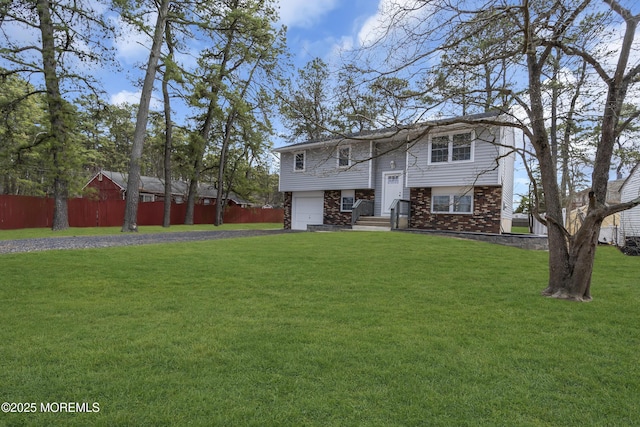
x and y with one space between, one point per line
392 187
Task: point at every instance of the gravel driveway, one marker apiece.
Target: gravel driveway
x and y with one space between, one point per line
124 239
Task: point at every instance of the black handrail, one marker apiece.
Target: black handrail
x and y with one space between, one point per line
400 208
360 208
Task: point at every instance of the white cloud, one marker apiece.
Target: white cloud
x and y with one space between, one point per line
296 13
133 98
125 97
390 13
132 45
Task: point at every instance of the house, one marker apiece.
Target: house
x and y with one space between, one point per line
447 176
609 230
581 198
630 219
113 186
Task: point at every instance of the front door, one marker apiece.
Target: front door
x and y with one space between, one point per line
392 187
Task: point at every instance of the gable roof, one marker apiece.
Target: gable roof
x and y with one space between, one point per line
154 185
389 131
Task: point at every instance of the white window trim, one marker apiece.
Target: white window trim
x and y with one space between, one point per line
347 193
304 161
452 194
450 148
146 197
342 147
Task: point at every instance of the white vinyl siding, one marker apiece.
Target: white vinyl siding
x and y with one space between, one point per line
481 169
321 171
630 219
506 172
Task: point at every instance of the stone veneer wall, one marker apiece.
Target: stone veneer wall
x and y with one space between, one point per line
332 214
487 203
288 199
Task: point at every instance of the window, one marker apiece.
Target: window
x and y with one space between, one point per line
440 204
461 147
455 147
344 156
298 161
462 204
440 149
451 203
347 199
144 197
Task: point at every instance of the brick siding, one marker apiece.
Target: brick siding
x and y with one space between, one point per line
487 203
288 199
332 214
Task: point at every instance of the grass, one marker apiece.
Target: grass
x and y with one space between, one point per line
319 329
30 233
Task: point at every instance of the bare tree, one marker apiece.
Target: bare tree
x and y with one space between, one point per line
517 66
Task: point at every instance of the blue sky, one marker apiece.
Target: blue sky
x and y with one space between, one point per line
316 28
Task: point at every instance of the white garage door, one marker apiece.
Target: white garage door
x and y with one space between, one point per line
307 208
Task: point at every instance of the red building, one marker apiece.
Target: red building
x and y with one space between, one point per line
109 185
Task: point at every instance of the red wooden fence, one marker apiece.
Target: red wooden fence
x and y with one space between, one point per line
33 212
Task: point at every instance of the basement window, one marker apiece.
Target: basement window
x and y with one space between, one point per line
451 202
347 199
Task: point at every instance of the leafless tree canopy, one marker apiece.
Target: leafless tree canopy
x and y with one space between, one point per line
566 71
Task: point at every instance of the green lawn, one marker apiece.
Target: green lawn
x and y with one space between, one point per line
320 329
30 233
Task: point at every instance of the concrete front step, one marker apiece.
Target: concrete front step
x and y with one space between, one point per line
372 223
369 228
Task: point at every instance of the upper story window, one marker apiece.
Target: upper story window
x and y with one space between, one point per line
299 161
455 147
344 156
439 149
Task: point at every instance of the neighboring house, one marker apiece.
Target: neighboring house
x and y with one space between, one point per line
630 219
610 228
113 186
453 177
581 198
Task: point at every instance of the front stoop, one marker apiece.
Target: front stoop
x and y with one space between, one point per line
372 223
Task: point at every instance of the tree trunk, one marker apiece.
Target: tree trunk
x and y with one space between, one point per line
575 257
218 220
193 192
571 259
133 181
199 150
168 143
59 132
166 217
